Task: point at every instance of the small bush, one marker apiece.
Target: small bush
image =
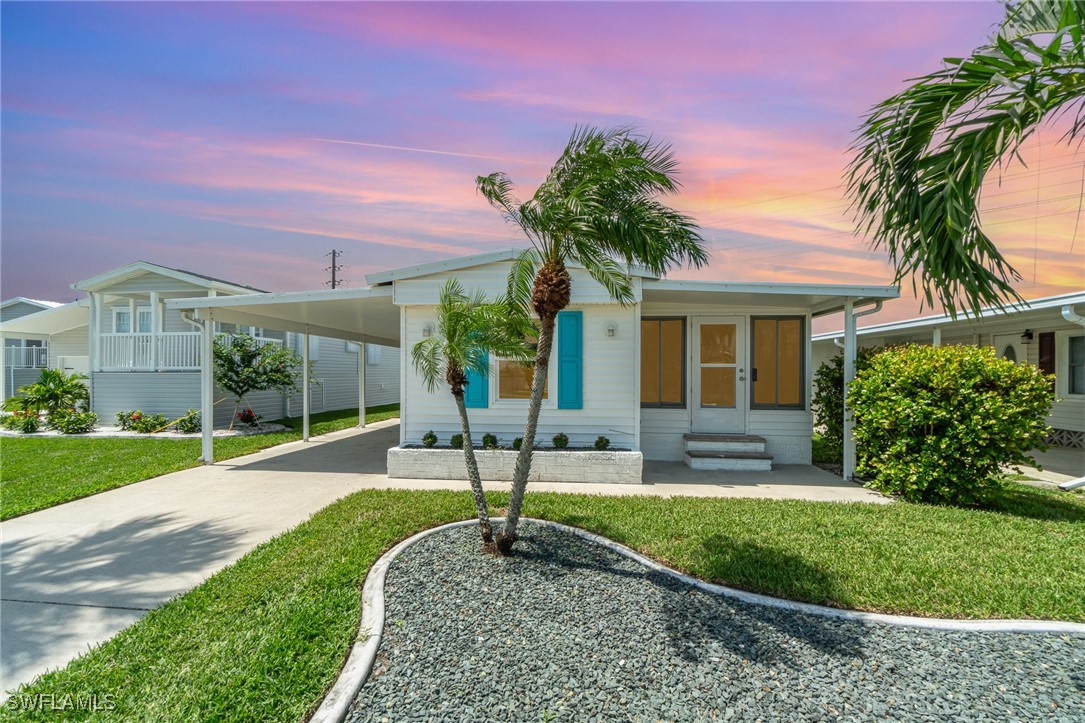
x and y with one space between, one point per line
73 422
936 425
190 423
602 443
25 422
249 417
561 440
137 421
489 441
429 439
828 401
456 441
517 443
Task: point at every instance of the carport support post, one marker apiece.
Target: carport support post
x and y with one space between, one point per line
207 389
849 374
305 385
361 384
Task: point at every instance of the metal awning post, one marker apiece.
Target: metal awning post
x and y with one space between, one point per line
361 384
305 387
849 374
207 389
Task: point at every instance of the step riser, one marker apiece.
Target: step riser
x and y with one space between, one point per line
725 446
730 465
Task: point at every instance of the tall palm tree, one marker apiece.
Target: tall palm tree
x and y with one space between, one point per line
922 155
598 207
469 329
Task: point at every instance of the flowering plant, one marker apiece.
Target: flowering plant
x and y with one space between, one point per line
249 417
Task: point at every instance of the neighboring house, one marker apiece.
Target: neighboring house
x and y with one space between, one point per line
139 355
25 355
715 374
1047 332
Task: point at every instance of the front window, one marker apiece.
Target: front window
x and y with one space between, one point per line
122 321
662 362
778 363
1076 372
514 380
143 321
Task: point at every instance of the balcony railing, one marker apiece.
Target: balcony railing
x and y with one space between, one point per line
26 357
176 351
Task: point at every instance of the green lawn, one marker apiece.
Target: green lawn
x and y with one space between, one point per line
265 637
40 472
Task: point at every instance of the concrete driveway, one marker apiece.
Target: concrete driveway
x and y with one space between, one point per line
74 575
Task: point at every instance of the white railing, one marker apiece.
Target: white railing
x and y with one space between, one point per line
178 350
28 357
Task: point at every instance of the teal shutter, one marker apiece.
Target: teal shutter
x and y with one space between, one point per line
477 393
571 360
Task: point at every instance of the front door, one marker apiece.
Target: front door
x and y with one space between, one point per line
719 375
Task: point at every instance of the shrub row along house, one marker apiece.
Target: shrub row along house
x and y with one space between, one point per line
1048 333
716 374
140 355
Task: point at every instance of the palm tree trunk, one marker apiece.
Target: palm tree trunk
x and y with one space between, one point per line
472 472
507 536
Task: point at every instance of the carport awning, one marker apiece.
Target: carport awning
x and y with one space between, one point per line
359 315
49 321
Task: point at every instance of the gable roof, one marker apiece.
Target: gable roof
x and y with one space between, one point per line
51 320
33 302
128 271
990 312
463 262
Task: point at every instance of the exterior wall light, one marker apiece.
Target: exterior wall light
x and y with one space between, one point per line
1026 338
427 330
610 329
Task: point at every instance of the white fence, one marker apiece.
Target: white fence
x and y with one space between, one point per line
175 351
28 357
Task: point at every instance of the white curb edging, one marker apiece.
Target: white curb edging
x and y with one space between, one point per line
334 707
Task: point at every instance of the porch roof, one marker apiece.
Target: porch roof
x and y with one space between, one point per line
49 321
819 299
360 315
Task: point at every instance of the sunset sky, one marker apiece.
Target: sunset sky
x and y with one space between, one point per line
245 141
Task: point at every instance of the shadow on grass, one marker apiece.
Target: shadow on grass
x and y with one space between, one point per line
1024 501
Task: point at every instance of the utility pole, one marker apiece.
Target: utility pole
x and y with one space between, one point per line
335 268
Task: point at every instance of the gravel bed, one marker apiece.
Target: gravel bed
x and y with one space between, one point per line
567 630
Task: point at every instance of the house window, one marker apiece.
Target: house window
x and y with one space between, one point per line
1075 377
778 363
514 380
250 330
143 320
122 321
662 362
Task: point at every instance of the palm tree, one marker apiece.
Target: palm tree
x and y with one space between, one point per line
599 208
922 155
53 392
469 329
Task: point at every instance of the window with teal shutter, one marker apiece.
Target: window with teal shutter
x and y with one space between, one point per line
571 360
476 394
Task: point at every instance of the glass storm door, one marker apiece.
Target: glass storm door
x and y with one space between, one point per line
719 375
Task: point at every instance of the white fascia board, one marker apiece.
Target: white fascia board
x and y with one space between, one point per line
33 302
278 297
768 287
1049 302
96 283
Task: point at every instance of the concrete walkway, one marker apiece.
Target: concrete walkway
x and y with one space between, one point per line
74 575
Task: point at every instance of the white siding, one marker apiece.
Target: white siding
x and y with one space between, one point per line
73 342
609 386
149 281
169 393
787 433
661 433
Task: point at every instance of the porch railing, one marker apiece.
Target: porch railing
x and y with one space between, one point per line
177 350
26 357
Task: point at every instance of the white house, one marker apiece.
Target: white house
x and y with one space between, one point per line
716 374
1047 332
140 355
25 355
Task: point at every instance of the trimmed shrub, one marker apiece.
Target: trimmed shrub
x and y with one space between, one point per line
137 421
936 425
489 441
828 402
429 439
73 422
602 443
561 440
190 423
517 443
25 422
456 441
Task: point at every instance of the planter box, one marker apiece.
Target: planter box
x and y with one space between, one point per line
497 465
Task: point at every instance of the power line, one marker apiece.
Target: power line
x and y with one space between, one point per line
335 268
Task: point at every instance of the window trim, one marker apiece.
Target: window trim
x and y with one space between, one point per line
117 311
495 385
1062 364
685 363
803 362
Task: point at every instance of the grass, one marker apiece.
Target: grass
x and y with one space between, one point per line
263 639
40 472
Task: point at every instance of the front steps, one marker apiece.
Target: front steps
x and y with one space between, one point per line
732 452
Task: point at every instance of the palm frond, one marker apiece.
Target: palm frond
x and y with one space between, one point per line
426 357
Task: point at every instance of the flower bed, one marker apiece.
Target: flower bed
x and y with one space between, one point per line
547 465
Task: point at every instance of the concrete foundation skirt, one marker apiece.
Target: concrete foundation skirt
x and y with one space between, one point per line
613 467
